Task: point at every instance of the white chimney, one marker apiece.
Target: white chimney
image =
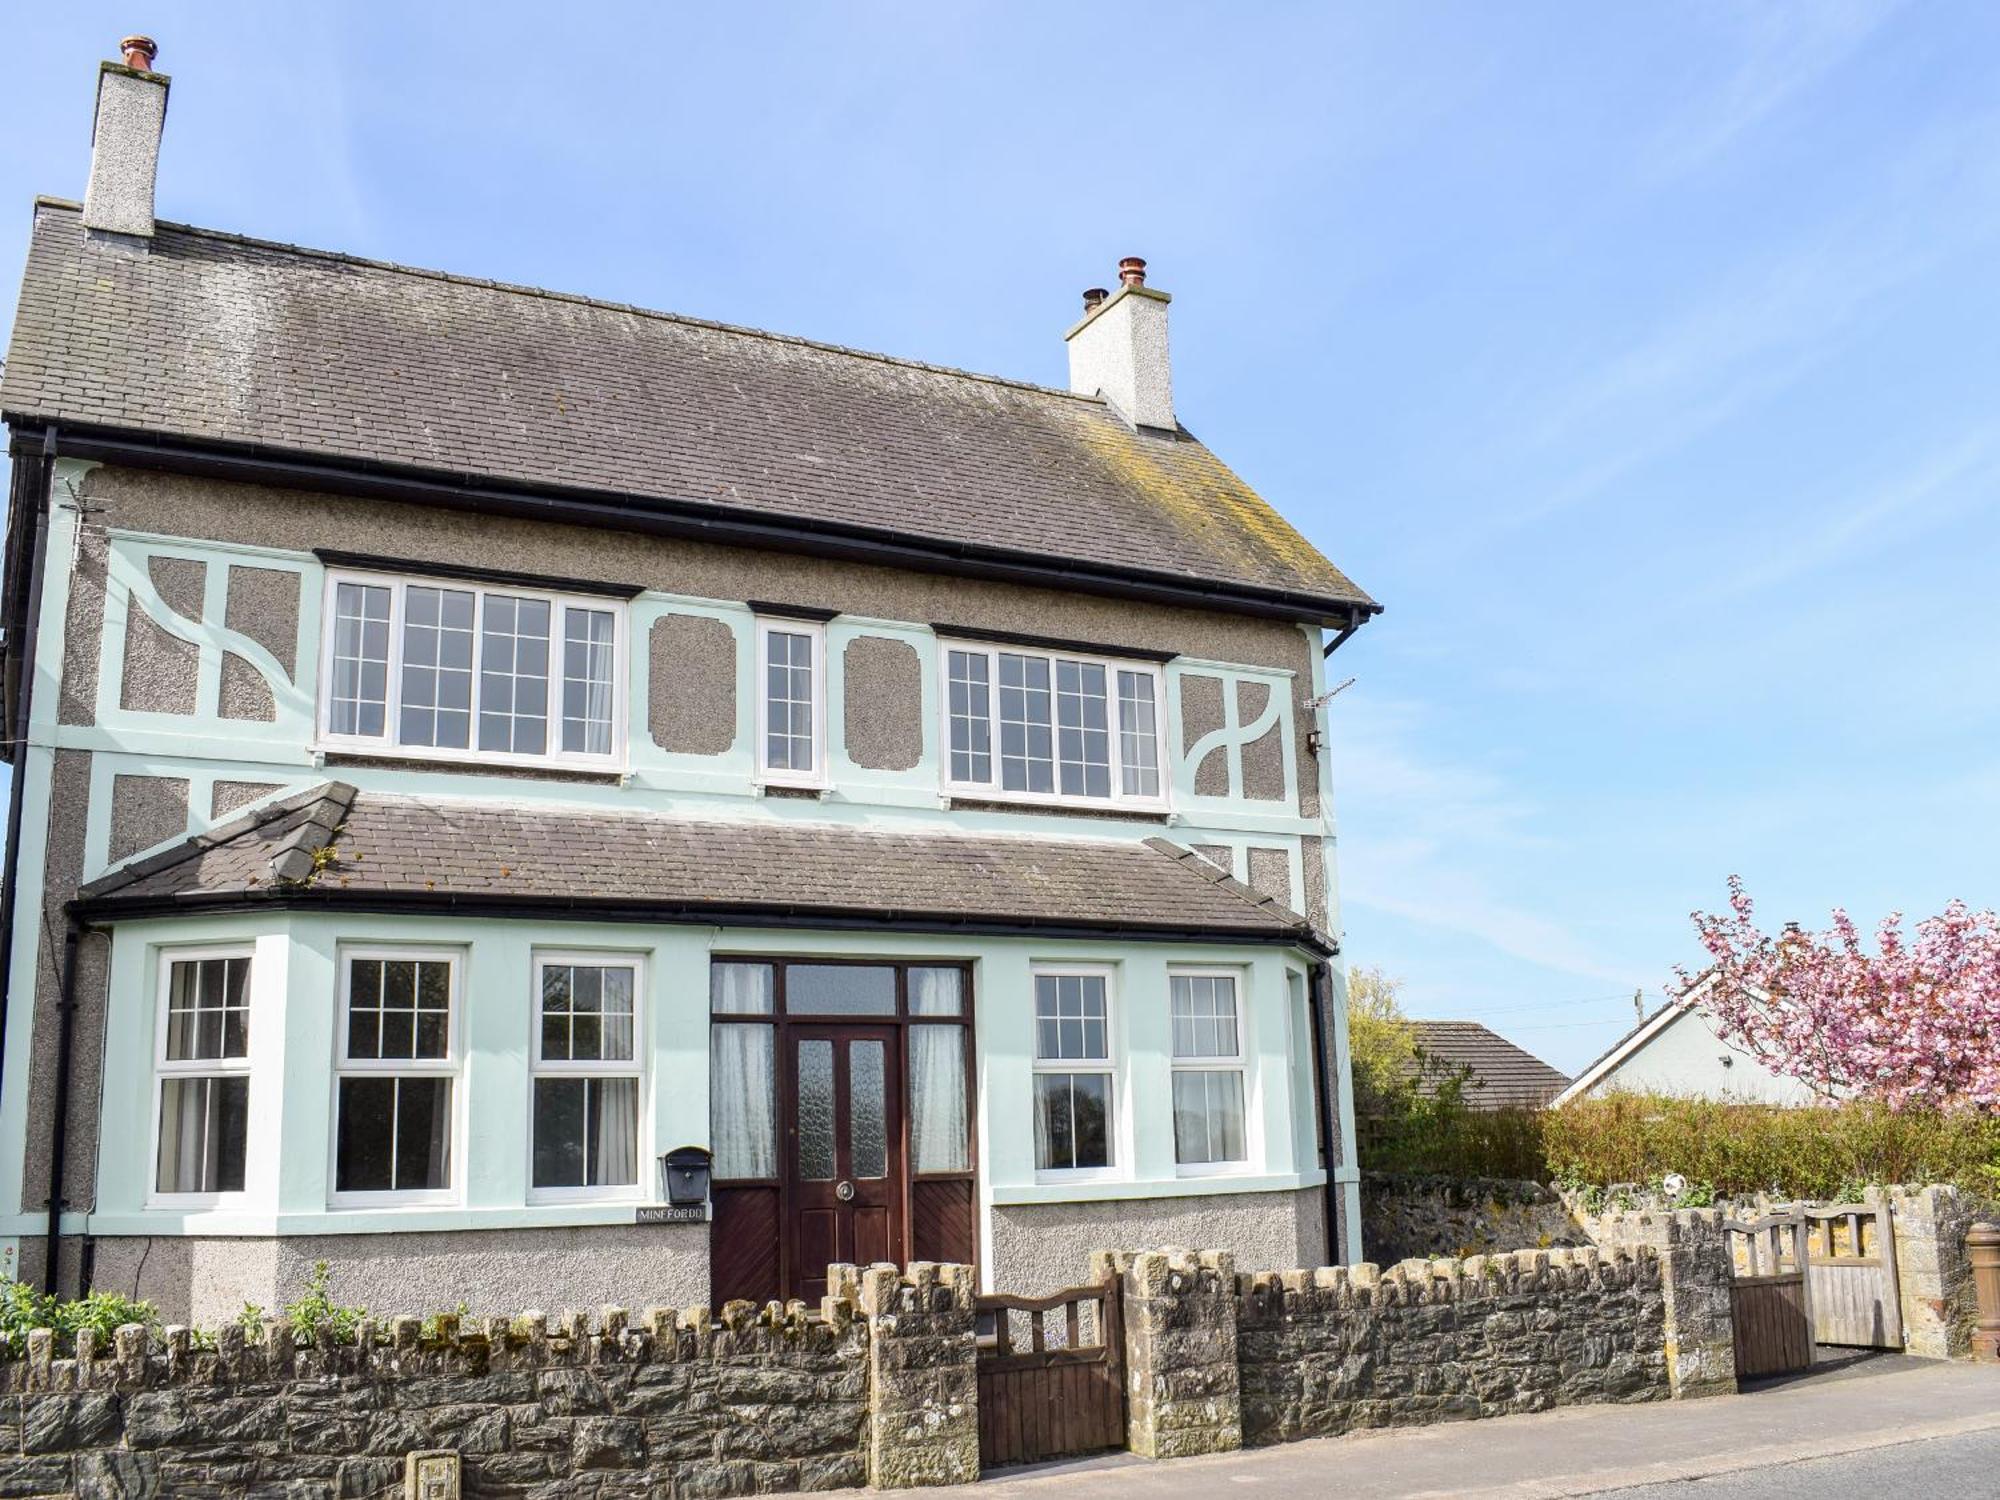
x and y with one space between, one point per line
1119 350
125 143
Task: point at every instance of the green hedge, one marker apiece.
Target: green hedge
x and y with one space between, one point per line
1813 1152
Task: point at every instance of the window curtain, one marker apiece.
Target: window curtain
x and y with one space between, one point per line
742 1095
741 989
937 1096
184 1152
617 1147
935 992
597 695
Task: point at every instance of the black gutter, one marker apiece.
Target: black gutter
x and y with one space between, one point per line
28 505
703 520
59 1127
113 907
404 567
1319 992
1047 643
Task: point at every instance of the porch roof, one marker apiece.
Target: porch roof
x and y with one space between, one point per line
338 847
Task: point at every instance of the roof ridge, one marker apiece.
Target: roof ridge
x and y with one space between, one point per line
522 289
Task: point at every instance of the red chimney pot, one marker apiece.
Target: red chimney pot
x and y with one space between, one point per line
1132 271
1093 298
139 52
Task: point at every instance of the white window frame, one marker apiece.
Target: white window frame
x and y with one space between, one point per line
163 1069
451 1066
635 1068
1239 1064
991 789
1113 1067
814 631
388 743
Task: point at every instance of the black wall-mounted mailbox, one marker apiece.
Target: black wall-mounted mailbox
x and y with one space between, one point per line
684 1175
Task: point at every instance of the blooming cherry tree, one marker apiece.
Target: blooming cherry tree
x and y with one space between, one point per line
1916 1023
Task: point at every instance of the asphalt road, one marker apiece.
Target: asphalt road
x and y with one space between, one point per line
1883 1426
1954 1468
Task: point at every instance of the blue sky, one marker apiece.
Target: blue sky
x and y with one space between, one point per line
1640 359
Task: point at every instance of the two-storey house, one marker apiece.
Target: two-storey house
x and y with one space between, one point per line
469 741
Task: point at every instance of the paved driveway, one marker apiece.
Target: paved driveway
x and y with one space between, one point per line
1902 1423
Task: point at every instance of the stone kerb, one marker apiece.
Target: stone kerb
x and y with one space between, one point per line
1695 1276
1182 1390
923 1376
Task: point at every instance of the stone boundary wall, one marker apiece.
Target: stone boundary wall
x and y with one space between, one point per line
1405 1217
876 1387
1328 1351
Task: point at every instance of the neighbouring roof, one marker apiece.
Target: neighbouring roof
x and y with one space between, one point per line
213 338
334 845
1500 1074
1613 1057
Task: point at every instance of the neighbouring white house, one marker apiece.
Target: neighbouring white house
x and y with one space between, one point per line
1677 1050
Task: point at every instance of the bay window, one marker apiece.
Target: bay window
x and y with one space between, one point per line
1041 726
1208 1072
398 1066
586 1086
437 669
1074 1119
202 1062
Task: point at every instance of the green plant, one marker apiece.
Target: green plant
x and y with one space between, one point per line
315 1308
22 1310
1821 1151
433 1326
251 1320
103 1313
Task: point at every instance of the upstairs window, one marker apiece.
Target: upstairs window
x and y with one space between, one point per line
1049 727
791 703
445 670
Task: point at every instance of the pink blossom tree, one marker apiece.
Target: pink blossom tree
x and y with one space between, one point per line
1916 1023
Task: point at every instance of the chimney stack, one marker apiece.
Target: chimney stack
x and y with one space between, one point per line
125 143
1119 350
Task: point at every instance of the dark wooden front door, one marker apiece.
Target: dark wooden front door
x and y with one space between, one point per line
843 1149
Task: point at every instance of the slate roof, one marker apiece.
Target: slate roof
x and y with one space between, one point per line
1501 1075
213 338
334 845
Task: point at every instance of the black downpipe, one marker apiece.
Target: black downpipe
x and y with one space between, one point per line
30 509
59 1129
1321 993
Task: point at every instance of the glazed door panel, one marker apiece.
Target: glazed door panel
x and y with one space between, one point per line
844 1163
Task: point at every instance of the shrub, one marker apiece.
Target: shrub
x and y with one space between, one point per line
24 1309
1824 1151
315 1307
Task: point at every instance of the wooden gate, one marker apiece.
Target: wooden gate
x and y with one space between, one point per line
1771 1294
1064 1392
1851 1256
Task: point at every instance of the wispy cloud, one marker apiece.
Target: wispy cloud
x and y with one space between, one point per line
1781 51
1429 827
1749 336
1948 483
